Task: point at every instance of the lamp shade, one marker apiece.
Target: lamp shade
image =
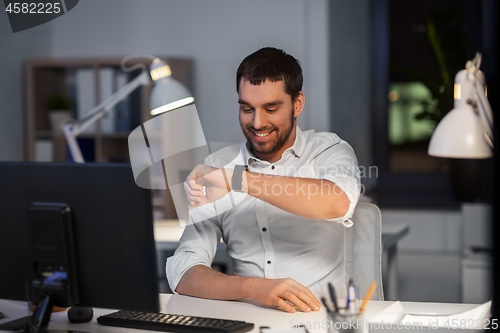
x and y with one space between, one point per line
460 134
167 94
465 131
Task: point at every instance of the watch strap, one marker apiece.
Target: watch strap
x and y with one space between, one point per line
237 178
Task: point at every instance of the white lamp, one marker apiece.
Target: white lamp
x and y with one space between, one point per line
467 130
166 95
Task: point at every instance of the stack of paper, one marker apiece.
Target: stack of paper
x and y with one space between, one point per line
476 318
392 314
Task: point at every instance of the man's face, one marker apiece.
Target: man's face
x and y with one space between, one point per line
267 117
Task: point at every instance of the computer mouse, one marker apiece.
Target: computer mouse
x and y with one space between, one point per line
80 314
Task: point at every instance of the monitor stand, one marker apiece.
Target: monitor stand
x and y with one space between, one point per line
40 319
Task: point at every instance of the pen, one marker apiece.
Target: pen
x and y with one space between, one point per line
333 297
352 298
348 293
368 296
326 305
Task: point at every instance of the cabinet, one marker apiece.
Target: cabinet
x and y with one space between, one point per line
83 83
477 263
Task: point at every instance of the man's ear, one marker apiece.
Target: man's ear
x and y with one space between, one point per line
299 103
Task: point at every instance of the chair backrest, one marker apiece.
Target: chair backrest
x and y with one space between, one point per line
364 249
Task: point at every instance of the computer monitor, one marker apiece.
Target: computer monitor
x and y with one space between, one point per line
112 223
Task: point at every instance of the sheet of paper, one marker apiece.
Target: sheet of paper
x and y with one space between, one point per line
474 318
392 314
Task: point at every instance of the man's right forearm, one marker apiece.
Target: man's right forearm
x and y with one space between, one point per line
202 281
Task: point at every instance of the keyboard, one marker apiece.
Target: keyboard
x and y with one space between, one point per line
173 323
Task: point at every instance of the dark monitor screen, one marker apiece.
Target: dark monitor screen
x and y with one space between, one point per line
113 227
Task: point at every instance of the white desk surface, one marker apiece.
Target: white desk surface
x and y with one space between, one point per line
246 310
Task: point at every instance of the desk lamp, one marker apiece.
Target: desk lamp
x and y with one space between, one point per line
467 130
166 95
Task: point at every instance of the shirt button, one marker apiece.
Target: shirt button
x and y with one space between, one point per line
269 262
272 167
264 229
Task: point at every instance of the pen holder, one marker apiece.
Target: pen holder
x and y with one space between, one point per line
344 321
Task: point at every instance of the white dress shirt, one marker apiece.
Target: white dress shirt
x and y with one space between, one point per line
266 241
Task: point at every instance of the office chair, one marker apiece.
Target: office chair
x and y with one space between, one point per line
364 249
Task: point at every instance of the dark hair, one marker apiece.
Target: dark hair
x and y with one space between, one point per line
274 65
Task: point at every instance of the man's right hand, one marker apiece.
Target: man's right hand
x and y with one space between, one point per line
276 292
202 281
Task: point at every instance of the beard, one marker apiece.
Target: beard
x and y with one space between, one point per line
273 145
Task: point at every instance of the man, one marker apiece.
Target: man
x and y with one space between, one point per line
278 215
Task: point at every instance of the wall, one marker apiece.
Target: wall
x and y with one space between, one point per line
350 90
217 34
14 50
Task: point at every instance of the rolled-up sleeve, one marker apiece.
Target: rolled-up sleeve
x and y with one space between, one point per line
338 164
198 245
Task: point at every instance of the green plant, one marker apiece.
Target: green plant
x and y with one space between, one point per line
445 32
58 102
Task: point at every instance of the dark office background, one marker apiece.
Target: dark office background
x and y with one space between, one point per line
346 51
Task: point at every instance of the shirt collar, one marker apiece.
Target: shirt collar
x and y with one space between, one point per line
297 148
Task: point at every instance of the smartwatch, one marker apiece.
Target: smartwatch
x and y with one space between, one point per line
237 178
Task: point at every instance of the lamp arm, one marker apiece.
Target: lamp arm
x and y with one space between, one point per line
73 129
104 107
485 113
480 102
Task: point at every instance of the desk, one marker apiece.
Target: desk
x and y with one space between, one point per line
168 233
245 310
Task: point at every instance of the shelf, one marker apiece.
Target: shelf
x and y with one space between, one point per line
47 77
113 136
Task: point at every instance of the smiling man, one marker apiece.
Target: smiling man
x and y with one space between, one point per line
280 200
